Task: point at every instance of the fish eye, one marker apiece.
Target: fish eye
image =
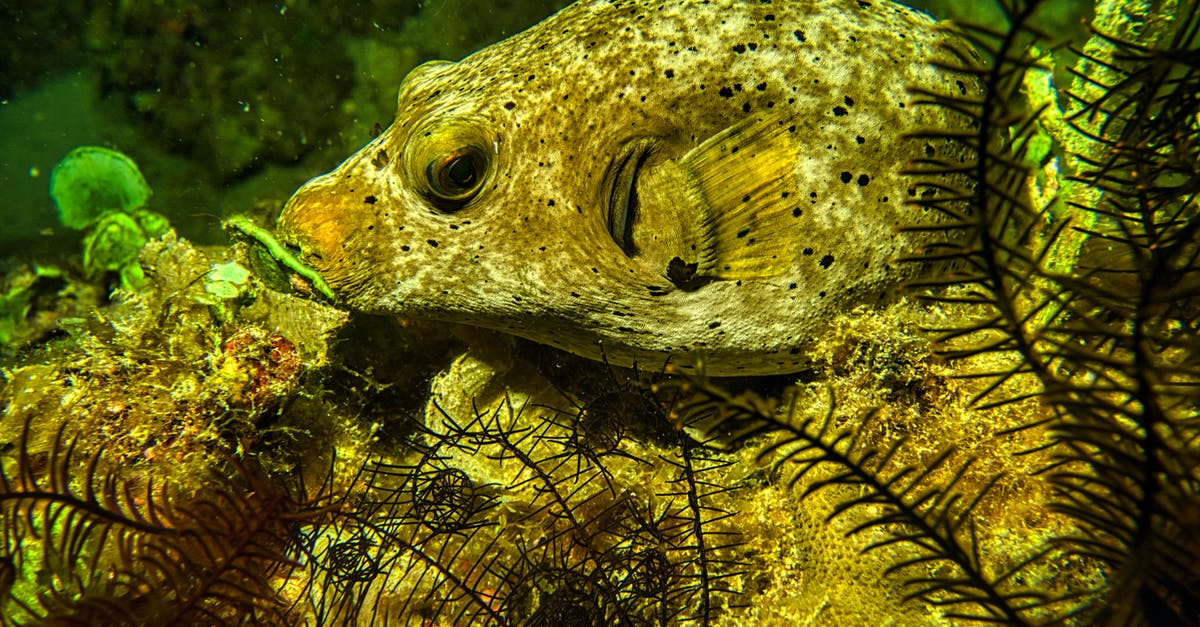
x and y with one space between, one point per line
456 177
450 163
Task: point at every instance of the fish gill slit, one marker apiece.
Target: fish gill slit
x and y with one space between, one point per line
622 198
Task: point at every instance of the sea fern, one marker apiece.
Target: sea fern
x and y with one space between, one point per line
523 515
89 546
1098 303
895 503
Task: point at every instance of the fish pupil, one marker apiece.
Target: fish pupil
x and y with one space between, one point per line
461 171
455 178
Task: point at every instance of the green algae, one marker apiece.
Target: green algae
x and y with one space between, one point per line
102 191
92 181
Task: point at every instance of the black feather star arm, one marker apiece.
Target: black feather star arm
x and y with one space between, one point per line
922 514
1094 292
501 518
992 247
87 546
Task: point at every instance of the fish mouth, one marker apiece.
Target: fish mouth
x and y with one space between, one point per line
622 195
317 226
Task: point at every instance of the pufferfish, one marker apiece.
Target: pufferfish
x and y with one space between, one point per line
645 181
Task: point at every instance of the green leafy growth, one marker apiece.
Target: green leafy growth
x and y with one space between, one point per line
103 191
91 181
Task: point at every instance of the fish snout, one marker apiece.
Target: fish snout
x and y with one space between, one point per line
329 228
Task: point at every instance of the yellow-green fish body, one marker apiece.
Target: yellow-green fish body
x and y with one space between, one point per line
638 181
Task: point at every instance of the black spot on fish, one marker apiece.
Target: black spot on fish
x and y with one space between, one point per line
791 286
849 101
796 213
753 46
826 261
510 105
713 325
745 107
761 87
806 252
846 177
739 48
863 179
860 139
405 248
799 35
370 199
683 275
770 17
669 73
864 5
743 233
432 242
726 92
929 151
839 111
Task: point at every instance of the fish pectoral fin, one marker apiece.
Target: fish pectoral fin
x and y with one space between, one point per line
744 181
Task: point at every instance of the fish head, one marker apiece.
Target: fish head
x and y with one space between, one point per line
471 209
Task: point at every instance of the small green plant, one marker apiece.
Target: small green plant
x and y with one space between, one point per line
17 298
102 192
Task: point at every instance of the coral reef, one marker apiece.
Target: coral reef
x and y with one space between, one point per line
205 450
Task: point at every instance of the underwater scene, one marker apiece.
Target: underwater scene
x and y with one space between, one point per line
617 312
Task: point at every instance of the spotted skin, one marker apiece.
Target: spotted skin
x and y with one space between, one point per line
551 109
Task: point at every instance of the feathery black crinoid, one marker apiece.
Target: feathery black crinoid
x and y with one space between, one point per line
84 545
924 510
525 515
1093 294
